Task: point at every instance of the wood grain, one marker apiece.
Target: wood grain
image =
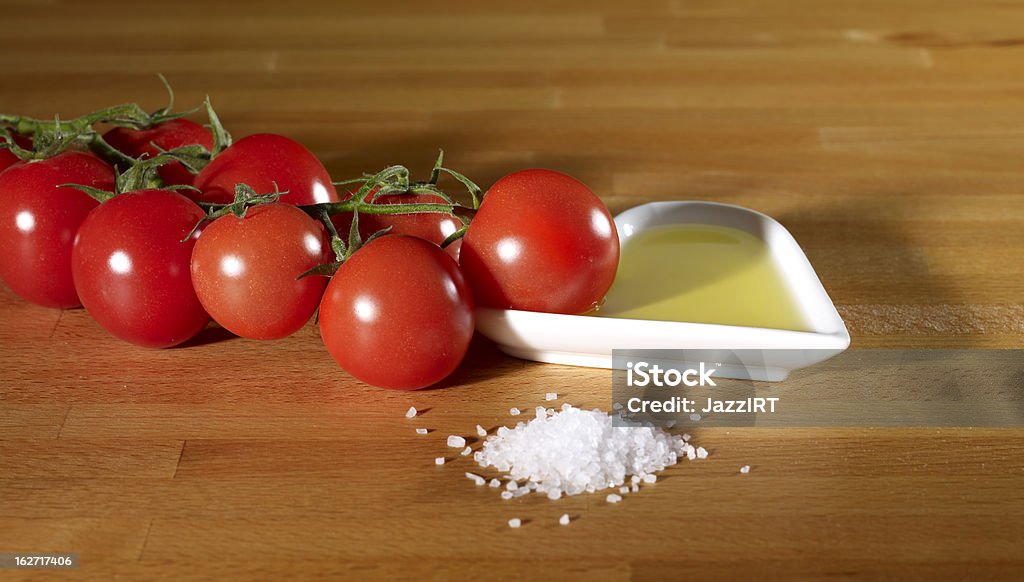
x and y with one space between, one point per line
886 136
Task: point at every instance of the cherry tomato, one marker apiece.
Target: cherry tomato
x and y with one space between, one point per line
8 159
167 135
38 222
261 161
431 226
398 314
541 241
132 270
244 270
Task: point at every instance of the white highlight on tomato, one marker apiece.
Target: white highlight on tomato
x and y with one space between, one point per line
448 228
451 290
120 263
232 266
599 222
366 311
509 249
313 244
25 221
320 193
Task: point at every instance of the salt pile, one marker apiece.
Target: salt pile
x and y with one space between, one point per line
575 451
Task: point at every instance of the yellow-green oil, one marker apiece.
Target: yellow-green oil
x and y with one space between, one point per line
701 273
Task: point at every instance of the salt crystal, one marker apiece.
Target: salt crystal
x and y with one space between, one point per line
456 442
506 495
623 490
494 483
551 396
695 417
481 431
702 453
540 412
411 412
421 431
439 461
576 451
670 423
514 522
513 411
467 451
613 498
554 494
634 488
650 478
617 406
686 436
476 479
564 520
745 469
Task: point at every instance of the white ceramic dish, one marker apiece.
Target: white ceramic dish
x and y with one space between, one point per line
588 341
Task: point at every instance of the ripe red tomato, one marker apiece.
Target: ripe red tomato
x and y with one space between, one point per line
261 161
8 159
244 270
38 222
398 314
132 270
541 241
168 135
431 226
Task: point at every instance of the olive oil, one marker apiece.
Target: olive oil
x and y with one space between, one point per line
701 273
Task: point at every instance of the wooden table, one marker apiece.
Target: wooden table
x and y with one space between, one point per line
887 136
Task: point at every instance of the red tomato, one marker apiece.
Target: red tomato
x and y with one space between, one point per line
8 159
541 241
168 135
244 270
431 226
38 222
132 270
398 314
261 161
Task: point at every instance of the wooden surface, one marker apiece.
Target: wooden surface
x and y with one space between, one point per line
887 136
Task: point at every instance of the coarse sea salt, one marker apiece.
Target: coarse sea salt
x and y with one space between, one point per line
467 451
421 431
613 498
456 442
476 478
439 460
514 522
564 520
481 431
745 469
411 413
513 411
551 396
574 451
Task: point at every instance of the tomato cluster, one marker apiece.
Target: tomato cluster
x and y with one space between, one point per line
158 224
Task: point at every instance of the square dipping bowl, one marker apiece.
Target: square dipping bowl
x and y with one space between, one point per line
586 340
